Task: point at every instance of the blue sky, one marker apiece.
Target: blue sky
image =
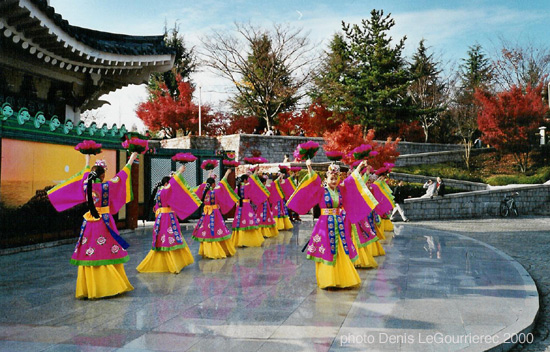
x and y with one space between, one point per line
449 27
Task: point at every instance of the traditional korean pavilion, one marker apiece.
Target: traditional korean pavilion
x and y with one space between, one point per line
50 72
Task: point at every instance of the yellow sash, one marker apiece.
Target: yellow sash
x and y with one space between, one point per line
101 211
163 210
209 208
331 211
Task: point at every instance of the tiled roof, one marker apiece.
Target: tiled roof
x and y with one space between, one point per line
108 42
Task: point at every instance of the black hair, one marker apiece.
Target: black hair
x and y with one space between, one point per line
151 202
209 182
96 173
240 180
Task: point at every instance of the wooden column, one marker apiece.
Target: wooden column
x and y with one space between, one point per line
132 208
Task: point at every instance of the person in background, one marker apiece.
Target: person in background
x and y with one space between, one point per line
286 159
399 199
439 187
430 189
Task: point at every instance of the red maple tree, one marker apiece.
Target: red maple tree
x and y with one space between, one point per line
509 119
348 137
167 113
315 121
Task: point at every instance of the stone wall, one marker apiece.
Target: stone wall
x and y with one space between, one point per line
436 157
416 148
191 142
532 200
273 148
457 184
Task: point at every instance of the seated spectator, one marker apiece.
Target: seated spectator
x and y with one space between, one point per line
269 132
276 131
256 131
430 189
439 187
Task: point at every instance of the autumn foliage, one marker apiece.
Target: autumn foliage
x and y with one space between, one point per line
509 119
315 121
348 137
164 112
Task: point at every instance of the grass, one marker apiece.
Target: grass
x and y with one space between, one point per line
491 168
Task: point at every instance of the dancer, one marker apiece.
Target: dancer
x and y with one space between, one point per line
284 188
246 230
211 231
100 251
330 246
264 212
169 251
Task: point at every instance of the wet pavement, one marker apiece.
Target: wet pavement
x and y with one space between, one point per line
435 290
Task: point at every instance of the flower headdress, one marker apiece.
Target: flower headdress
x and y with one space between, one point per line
102 163
333 169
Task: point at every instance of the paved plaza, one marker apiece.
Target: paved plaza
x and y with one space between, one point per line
435 290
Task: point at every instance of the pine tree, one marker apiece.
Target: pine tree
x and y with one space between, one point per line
184 63
475 72
330 88
378 78
427 90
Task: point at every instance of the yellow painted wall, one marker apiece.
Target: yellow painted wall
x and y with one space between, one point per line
31 166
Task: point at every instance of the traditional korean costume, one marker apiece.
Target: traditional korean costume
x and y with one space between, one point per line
330 245
246 230
100 251
211 231
169 251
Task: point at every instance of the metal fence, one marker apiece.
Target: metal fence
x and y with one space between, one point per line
161 164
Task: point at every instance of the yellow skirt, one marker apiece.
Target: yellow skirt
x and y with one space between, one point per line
101 281
365 258
341 274
269 232
217 250
376 249
247 238
388 225
284 223
166 261
380 231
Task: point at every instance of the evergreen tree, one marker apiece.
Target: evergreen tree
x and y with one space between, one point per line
427 91
184 63
378 78
474 73
267 86
330 88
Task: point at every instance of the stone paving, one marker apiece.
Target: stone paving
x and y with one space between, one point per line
435 290
527 240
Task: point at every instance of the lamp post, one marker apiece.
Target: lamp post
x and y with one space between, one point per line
200 98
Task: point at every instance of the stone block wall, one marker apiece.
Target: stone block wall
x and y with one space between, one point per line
273 148
436 157
191 142
416 148
532 200
457 184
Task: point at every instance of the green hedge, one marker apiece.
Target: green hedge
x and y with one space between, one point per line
542 175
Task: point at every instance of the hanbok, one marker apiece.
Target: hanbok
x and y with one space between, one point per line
100 251
264 213
330 245
211 231
246 230
362 236
169 251
284 188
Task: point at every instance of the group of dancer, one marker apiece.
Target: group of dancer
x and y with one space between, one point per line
345 236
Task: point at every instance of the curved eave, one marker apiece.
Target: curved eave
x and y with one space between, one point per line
37 33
